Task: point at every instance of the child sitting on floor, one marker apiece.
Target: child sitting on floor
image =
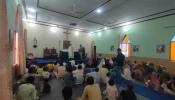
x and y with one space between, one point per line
50 66
108 76
47 87
55 67
171 84
40 69
46 74
165 87
111 92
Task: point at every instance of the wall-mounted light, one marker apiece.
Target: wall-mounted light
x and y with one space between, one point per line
30 16
99 34
77 33
105 28
53 29
125 29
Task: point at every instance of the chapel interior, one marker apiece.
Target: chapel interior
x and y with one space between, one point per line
86 38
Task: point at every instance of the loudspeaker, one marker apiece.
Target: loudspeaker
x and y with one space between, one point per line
95 52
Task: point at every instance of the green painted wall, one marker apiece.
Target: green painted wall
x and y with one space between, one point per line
147 35
11 13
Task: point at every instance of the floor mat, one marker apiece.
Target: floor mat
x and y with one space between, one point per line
147 92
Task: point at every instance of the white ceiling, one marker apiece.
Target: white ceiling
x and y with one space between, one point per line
84 12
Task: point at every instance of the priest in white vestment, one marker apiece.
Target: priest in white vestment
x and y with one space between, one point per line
71 52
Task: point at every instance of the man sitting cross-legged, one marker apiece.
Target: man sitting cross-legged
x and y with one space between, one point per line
79 75
96 75
60 71
91 91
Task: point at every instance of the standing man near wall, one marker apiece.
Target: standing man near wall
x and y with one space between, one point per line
119 60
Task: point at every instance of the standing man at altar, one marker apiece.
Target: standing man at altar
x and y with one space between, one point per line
70 52
81 51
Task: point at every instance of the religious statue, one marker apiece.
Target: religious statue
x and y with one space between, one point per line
35 42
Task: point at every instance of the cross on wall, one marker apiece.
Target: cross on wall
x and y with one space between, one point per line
67 33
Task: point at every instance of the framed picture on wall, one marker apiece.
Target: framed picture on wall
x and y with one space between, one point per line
160 48
135 48
112 48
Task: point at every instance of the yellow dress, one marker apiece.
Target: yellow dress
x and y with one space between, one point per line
91 92
39 71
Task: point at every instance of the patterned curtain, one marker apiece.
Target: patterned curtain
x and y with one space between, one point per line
5 68
21 48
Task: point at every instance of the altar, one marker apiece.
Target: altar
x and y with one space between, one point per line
64 55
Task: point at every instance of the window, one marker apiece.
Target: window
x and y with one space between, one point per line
126 46
172 49
15 48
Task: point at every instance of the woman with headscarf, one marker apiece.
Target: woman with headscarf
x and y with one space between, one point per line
127 72
166 85
142 69
154 82
137 73
164 73
150 67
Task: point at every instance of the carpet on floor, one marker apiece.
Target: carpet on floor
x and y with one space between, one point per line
146 92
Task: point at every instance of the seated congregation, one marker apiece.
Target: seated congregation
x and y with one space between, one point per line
96 73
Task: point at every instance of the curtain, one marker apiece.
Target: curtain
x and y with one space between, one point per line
21 48
5 68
